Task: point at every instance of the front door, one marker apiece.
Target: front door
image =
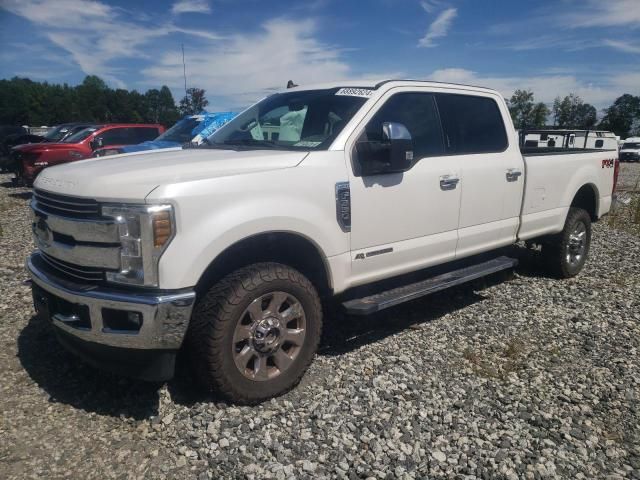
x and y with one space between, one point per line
404 221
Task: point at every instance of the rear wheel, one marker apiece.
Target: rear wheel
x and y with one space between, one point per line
255 332
567 252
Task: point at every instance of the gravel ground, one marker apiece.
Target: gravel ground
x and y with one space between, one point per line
530 378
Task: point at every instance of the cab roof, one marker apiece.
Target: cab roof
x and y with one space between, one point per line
376 84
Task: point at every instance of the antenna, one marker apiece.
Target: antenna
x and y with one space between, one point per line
184 72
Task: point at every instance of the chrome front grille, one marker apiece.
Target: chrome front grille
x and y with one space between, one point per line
77 272
74 240
65 205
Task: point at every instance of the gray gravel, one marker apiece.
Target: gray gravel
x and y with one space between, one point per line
530 378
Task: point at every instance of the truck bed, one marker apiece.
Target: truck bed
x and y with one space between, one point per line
536 151
553 178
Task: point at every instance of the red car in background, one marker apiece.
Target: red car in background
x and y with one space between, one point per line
31 159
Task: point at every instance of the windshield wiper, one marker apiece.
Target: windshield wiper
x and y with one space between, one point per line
251 143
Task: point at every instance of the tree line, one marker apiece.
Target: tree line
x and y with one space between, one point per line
25 102
571 112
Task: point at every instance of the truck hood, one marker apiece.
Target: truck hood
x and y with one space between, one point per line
131 177
31 147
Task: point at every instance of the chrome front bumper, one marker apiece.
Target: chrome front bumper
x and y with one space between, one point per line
165 316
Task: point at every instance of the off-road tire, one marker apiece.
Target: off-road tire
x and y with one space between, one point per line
214 320
555 248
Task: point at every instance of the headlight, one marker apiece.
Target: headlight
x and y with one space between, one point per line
145 232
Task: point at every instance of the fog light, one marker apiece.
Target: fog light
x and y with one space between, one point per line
126 321
135 319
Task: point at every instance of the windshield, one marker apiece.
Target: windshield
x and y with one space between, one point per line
57 133
631 145
307 120
79 136
181 132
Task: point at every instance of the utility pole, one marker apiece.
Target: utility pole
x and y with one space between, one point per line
184 73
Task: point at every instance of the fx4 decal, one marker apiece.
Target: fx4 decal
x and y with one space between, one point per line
609 163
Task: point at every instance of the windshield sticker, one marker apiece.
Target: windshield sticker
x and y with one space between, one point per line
355 92
306 143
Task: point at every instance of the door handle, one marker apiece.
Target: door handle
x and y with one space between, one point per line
448 182
513 174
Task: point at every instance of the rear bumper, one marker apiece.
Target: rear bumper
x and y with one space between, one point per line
83 318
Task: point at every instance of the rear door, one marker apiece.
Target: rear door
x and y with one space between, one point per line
491 169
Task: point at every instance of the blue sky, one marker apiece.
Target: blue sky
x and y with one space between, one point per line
240 50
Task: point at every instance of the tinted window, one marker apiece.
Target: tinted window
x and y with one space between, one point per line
143 134
80 136
57 133
115 136
471 124
417 112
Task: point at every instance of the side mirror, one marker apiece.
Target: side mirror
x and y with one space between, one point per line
96 143
391 155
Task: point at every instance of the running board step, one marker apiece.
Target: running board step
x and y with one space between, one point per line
396 296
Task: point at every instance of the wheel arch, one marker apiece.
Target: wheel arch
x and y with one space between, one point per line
587 198
289 248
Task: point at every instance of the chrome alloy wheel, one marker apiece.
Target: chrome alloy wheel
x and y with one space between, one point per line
269 336
577 244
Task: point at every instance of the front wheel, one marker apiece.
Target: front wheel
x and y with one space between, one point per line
254 333
567 252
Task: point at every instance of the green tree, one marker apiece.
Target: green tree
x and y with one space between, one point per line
161 106
572 112
25 102
539 115
623 117
168 113
193 102
555 110
92 100
525 113
153 104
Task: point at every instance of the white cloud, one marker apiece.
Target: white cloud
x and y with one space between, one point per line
622 46
191 6
572 25
61 13
246 67
97 35
547 87
430 6
603 13
438 28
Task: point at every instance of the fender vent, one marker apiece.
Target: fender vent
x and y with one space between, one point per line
343 206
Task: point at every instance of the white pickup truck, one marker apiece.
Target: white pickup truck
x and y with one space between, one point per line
316 194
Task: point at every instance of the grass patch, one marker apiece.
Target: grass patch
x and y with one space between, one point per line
509 360
514 348
626 216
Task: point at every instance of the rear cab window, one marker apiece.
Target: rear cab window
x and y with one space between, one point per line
471 124
115 136
143 134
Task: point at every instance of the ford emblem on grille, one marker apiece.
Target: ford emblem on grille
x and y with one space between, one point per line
42 232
